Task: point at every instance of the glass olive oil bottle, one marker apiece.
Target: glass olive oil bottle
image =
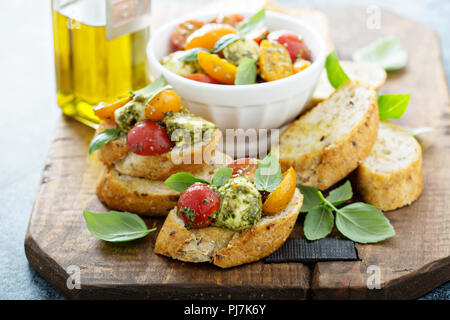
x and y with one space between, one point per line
100 52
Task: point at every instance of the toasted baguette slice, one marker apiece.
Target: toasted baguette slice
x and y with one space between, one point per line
226 248
157 167
391 176
328 142
368 73
146 197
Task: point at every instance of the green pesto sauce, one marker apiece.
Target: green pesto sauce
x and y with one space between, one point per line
241 205
187 129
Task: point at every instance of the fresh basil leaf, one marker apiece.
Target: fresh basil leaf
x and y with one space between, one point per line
182 180
392 106
416 131
336 76
311 198
223 42
341 194
116 226
252 23
103 138
155 93
246 72
318 223
268 174
387 52
363 223
221 175
152 87
191 54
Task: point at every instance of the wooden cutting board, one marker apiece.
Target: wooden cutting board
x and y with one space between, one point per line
412 263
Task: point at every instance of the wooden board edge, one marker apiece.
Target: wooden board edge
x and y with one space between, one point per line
349 282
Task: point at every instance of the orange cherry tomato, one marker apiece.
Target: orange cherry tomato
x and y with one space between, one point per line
164 102
106 111
231 19
282 195
182 32
207 36
200 77
217 68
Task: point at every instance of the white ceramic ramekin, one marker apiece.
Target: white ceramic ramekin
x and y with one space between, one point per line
263 105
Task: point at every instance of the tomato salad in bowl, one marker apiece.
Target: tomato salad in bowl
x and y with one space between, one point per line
252 53
230 49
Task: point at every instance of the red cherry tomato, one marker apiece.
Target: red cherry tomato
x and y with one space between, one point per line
244 167
182 32
201 78
148 138
294 45
197 205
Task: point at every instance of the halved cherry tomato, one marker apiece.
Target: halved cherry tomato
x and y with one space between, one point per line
106 111
294 45
182 32
148 138
207 36
274 61
217 68
201 78
244 167
282 195
197 205
164 102
231 19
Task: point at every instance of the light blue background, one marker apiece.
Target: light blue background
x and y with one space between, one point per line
29 115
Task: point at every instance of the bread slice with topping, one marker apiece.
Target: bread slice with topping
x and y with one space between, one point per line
157 167
143 196
223 247
368 73
391 176
328 142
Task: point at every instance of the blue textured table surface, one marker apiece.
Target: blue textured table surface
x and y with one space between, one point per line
27 85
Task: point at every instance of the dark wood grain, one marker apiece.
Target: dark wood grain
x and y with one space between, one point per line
412 263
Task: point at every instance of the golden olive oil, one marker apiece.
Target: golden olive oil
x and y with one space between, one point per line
92 69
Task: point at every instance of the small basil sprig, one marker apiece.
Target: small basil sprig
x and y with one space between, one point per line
387 52
268 174
358 221
223 42
103 138
390 106
252 23
336 76
152 87
182 180
246 72
115 226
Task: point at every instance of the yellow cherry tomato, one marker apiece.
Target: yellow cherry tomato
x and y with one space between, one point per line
207 36
282 195
274 61
217 68
164 102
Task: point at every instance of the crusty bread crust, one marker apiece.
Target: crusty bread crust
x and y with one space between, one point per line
226 248
142 196
324 167
157 167
391 189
